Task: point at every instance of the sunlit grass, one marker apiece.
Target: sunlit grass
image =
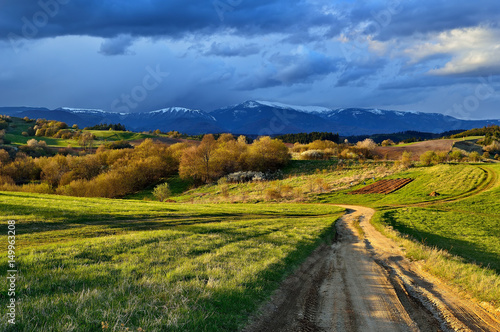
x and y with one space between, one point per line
156 266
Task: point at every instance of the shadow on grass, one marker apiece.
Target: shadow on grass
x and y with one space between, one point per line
226 309
469 251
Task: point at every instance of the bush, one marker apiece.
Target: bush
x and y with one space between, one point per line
406 160
273 193
474 156
162 192
427 158
266 154
367 144
118 145
441 157
312 155
387 142
456 155
494 147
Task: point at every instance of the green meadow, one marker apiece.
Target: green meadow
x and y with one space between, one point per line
92 264
89 264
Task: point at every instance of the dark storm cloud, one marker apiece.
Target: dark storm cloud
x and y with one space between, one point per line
357 74
174 18
117 46
285 69
398 18
225 50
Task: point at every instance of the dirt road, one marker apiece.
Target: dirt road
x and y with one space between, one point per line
362 282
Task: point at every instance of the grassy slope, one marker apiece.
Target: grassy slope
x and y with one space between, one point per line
448 180
469 228
152 265
303 178
106 135
16 137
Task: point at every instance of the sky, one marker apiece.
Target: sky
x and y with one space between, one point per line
142 55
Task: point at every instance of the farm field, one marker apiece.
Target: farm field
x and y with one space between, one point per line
416 149
448 180
468 228
150 265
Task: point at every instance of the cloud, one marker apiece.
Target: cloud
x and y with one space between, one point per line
157 18
300 67
385 20
473 51
225 50
117 46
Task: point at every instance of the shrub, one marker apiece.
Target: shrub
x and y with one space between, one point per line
406 160
273 193
312 155
441 157
266 154
348 154
387 142
456 155
6 180
4 156
427 158
162 192
497 157
367 144
474 156
242 177
493 147
486 155
118 145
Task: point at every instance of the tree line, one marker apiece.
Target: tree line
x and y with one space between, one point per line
305 138
118 172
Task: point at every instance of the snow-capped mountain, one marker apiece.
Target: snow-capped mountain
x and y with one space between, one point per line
259 118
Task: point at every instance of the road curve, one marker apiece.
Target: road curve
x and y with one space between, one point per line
362 282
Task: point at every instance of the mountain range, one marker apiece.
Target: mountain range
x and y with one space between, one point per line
259 118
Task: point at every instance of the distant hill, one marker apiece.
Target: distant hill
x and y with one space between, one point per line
260 118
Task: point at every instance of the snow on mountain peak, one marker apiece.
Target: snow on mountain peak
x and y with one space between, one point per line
307 109
178 111
175 110
376 111
81 110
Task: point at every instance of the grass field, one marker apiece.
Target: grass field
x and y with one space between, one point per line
105 135
14 134
207 267
152 265
469 228
448 180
